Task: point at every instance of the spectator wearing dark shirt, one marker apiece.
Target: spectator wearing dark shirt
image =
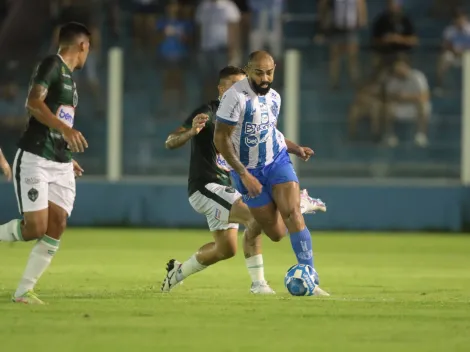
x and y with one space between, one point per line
393 34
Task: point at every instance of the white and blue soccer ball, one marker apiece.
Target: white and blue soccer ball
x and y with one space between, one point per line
301 280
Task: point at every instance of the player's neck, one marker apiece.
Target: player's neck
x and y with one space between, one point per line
69 59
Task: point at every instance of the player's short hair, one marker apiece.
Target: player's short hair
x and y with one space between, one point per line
252 57
70 31
230 71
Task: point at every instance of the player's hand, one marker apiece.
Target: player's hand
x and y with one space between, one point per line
75 140
77 169
252 185
304 153
5 168
199 122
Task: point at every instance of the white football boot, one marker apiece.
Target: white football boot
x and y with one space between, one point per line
309 205
170 279
261 288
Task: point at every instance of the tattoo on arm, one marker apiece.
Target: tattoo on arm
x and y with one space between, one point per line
225 147
178 138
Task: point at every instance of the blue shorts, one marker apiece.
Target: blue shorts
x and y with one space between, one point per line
279 171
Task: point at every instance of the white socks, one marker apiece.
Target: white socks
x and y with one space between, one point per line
189 267
38 262
11 231
255 268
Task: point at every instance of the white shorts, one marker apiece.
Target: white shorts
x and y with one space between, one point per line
215 202
39 181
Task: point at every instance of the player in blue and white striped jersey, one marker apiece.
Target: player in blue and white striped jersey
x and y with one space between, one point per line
257 152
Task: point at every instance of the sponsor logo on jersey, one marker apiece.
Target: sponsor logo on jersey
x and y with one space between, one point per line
66 86
218 213
251 141
254 128
66 114
32 180
64 74
221 162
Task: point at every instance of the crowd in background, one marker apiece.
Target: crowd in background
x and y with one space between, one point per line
209 34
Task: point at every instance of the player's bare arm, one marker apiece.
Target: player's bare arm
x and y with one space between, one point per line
302 152
4 166
182 135
224 145
38 108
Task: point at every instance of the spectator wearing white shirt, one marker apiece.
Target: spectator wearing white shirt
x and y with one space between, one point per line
219 40
407 99
266 26
456 41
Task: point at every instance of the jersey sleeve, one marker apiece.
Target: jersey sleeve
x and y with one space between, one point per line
47 72
188 123
230 108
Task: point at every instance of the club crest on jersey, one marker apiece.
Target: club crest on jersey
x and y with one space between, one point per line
275 109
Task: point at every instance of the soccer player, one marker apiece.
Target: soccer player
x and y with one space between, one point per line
210 193
257 152
5 166
44 171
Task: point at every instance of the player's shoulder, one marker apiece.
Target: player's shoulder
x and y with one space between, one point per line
274 95
51 60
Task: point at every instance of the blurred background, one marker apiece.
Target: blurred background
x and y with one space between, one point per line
380 101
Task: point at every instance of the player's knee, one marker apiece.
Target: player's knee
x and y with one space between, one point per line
57 222
227 251
34 228
276 236
292 215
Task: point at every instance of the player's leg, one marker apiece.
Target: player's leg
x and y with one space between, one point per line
240 213
31 188
61 195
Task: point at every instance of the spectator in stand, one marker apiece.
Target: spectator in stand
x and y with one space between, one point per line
367 104
145 14
456 41
266 26
341 20
219 40
407 99
245 23
393 35
173 34
445 9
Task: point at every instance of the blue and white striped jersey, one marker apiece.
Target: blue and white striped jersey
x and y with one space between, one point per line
256 139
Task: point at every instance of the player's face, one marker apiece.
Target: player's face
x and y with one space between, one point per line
83 52
261 75
225 84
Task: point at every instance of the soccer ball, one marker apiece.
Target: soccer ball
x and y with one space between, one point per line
301 280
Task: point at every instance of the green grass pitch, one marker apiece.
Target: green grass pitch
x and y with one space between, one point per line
404 292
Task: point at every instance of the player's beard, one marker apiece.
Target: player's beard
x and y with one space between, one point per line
261 90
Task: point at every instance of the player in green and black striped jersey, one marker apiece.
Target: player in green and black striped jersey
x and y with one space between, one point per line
44 171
